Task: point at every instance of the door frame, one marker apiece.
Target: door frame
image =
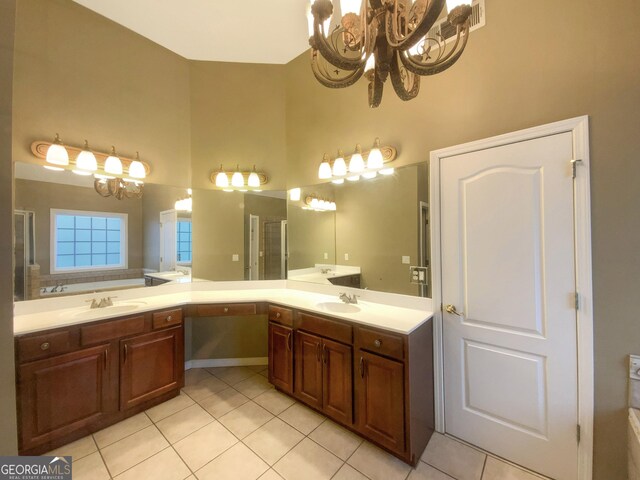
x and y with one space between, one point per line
579 128
254 247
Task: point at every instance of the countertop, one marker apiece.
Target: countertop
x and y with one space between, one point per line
374 309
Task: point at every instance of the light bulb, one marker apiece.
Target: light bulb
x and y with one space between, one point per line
375 160
338 181
136 168
369 175
56 153
86 162
324 172
356 164
314 203
237 180
386 171
294 194
222 180
113 164
332 206
371 64
339 165
189 191
354 178
254 180
350 6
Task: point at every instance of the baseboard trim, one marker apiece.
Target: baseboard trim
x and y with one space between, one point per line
225 362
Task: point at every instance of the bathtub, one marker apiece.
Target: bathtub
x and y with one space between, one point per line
88 287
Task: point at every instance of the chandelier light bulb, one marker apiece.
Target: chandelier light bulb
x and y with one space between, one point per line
314 203
237 180
57 154
369 175
254 180
356 164
222 180
332 206
339 165
136 169
113 164
370 65
353 178
324 172
86 162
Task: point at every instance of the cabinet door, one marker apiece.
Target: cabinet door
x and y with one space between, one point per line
308 367
61 394
281 357
380 400
150 365
337 386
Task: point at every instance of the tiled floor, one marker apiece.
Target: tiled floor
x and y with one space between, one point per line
229 423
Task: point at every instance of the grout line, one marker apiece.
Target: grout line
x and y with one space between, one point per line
126 436
484 465
439 470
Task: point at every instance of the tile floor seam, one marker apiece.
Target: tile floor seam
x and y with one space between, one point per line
140 462
126 436
104 461
291 406
484 465
441 471
183 461
282 456
217 456
177 411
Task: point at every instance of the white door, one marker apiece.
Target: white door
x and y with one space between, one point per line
168 246
510 355
254 247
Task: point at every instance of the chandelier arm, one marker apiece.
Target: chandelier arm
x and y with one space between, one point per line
101 188
404 43
347 81
398 82
437 67
376 86
328 53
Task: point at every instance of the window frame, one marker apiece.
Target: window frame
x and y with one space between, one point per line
53 240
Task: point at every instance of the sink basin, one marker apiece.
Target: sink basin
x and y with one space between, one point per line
338 307
117 309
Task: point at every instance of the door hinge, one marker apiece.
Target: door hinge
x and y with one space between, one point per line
574 167
577 301
578 432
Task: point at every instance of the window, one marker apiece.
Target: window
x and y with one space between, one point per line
184 241
88 240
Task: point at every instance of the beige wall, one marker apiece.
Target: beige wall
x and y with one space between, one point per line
533 63
9 437
237 118
83 76
228 337
41 197
218 233
377 224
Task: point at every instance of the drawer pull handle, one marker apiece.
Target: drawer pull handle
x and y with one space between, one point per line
325 354
45 346
106 358
125 353
378 343
277 314
361 367
226 309
318 357
169 318
289 341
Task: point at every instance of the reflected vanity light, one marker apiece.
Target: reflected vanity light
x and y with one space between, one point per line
365 165
319 204
294 194
239 180
185 204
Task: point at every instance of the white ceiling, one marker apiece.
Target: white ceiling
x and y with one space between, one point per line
250 31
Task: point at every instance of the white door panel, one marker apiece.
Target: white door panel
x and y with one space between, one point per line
508 267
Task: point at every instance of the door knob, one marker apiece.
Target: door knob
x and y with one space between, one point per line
451 309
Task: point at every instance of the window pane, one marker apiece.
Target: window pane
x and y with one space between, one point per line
65 235
65 248
99 235
113 247
113 236
64 261
98 223
99 260
113 259
83 260
65 221
99 247
113 223
83 235
83 222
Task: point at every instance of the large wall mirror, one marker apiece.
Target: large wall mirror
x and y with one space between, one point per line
380 228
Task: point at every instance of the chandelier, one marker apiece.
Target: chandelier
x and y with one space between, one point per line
384 38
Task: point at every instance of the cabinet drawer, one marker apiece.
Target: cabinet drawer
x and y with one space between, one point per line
380 342
111 329
41 346
325 327
222 309
281 315
167 318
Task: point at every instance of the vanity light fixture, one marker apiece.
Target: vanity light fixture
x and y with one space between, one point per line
319 204
106 169
337 170
294 194
382 39
239 180
185 204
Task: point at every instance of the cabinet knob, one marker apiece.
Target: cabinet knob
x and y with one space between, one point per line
277 314
226 309
45 346
378 343
169 318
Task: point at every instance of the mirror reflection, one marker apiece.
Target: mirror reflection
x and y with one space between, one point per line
69 239
379 230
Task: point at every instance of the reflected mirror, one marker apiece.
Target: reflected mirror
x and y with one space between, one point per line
380 229
71 240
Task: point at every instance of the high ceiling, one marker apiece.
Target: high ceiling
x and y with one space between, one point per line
251 31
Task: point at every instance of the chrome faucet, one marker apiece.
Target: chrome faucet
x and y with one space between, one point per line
346 298
324 271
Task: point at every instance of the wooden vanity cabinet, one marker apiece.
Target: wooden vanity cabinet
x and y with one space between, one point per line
75 380
281 357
